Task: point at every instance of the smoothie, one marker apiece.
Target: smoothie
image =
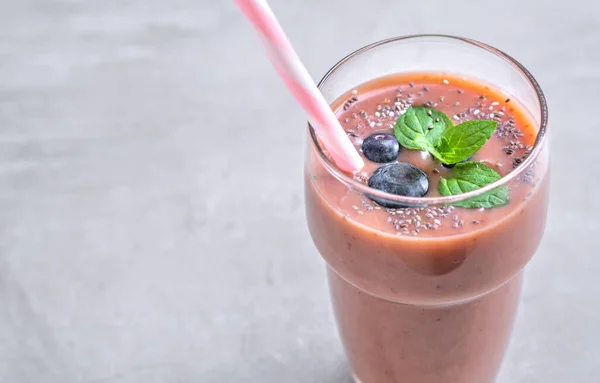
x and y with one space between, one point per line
427 293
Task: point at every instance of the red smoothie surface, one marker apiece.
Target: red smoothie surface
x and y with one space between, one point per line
428 294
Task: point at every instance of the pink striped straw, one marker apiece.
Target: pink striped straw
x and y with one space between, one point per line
296 77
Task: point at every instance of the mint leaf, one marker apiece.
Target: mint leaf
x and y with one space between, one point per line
419 128
462 141
421 141
469 176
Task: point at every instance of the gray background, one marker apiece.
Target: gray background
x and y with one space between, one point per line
151 211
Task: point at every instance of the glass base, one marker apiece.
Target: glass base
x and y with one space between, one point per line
356 380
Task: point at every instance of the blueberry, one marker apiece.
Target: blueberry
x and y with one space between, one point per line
381 147
401 179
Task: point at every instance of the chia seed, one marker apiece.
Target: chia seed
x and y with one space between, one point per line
517 161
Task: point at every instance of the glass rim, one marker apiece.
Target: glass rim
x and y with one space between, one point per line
427 201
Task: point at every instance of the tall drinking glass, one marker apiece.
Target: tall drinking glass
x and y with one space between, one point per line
427 306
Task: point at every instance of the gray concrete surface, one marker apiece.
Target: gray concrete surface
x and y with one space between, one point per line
151 215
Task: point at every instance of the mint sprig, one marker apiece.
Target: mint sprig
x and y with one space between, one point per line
430 130
469 176
427 129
